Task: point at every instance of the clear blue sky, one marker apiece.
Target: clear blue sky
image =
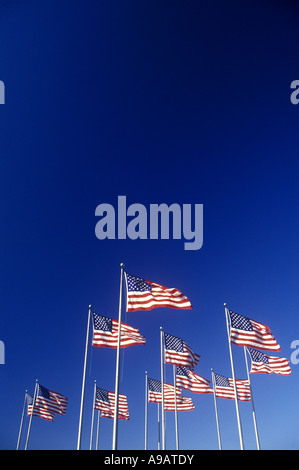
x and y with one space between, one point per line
185 102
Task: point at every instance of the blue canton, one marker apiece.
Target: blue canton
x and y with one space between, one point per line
182 371
258 356
240 322
102 323
102 395
221 381
43 392
137 284
173 343
154 385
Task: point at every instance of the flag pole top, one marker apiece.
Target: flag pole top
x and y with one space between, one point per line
225 304
121 265
161 328
89 306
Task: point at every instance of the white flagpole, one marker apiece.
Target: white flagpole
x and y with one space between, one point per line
83 382
253 409
92 416
176 409
216 411
234 380
115 423
98 430
22 419
145 420
33 403
162 386
159 437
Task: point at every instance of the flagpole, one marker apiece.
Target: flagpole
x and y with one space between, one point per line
159 437
22 419
115 423
145 423
98 430
176 409
216 411
234 380
162 387
83 382
33 403
92 416
253 409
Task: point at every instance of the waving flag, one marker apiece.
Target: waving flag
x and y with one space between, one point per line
105 333
53 402
191 381
224 388
155 392
247 332
145 295
39 411
261 363
179 353
183 404
105 402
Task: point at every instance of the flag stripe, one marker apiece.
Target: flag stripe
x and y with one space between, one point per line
191 381
129 336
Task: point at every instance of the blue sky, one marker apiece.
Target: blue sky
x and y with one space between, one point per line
164 102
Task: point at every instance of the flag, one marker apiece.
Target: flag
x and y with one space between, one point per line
145 295
261 363
105 402
52 401
155 391
105 333
224 388
183 404
247 332
191 381
38 410
179 353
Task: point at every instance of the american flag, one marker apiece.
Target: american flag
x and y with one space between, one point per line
179 353
52 401
261 363
145 295
191 381
155 391
247 332
105 333
224 388
183 404
38 411
105 402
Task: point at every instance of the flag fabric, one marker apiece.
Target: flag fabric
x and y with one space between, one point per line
183 404
247 332
105 402
155 392
224 388
189 380
105 333
38 410
52 401
179 353
261 363
146 295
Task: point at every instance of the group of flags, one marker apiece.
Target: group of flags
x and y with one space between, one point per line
110 333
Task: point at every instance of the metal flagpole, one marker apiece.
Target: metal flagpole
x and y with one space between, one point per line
115 423
98 430
22 419
92 416
176 409
83 382
253 409
234 380
33 403
145 420
216 411
162 387
159 437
